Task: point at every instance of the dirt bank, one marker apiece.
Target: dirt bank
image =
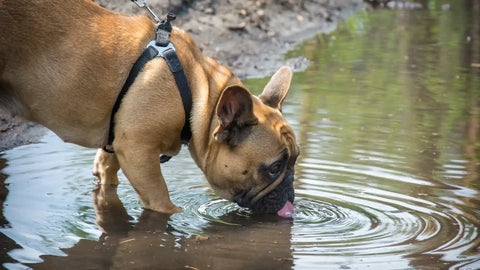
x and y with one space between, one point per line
249 37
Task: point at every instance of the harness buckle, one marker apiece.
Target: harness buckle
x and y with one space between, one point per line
161 49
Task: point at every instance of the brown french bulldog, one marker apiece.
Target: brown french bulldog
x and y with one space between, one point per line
63 63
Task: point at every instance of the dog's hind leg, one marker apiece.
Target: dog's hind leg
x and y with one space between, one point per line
105 167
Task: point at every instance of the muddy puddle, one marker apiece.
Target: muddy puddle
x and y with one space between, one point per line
387 118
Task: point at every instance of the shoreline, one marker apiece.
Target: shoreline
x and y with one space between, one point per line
249 37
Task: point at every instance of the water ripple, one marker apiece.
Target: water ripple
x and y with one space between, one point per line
347 209
214 209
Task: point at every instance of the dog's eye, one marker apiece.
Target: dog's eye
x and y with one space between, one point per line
275 169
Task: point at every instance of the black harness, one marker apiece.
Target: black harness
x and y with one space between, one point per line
162 47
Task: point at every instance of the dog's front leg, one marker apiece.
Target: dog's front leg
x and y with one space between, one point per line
141 166
105 167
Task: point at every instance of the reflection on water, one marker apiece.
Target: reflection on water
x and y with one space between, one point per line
387 118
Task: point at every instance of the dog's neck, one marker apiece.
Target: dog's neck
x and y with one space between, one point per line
204 117
207 82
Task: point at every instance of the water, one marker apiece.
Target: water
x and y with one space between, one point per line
387 118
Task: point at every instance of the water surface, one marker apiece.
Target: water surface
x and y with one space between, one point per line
387 117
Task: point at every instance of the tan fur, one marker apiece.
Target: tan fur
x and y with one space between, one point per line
63 63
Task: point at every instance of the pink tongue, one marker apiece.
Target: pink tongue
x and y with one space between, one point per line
287 210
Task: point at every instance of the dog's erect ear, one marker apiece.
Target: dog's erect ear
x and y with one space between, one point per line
276 90
235 114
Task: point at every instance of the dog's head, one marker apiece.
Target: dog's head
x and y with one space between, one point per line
252 155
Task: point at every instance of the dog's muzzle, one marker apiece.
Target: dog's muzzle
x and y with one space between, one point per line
272 201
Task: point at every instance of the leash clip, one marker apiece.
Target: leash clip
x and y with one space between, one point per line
164 28
165 24
150 13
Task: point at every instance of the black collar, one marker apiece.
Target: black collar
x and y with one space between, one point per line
163 48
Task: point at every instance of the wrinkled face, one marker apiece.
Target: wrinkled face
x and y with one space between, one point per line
252 158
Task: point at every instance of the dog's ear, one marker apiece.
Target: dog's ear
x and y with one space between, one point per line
235 114
276 90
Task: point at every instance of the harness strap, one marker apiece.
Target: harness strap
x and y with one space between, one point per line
147 55
168 53
182 84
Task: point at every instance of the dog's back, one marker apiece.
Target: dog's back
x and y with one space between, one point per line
63 62
31 32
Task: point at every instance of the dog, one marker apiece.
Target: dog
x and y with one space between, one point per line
63 63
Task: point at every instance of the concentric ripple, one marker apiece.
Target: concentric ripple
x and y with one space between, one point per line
355 213
308 211
214 209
